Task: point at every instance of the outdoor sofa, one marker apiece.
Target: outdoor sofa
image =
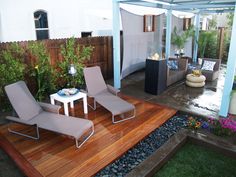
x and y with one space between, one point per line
176 74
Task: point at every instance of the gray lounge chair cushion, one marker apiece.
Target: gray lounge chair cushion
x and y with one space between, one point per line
113 103
67 125
94 80
23 102
103 94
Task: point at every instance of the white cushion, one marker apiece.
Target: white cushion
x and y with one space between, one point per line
195 79
208 65
195 84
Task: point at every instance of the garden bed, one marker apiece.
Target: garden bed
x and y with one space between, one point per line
157 160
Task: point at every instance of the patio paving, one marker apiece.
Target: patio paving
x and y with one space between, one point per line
198 101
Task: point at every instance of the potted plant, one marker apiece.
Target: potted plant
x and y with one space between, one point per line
180 38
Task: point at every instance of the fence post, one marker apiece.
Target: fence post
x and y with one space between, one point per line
221 42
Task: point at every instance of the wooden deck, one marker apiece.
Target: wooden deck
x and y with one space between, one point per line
56 155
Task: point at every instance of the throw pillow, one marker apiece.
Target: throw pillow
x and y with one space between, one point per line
173 64
208 65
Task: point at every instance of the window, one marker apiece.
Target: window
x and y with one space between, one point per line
41 25
186 23
149 23
86 34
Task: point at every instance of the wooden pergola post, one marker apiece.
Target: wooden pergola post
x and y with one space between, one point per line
221 42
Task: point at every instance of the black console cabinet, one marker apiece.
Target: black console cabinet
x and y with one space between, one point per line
155 76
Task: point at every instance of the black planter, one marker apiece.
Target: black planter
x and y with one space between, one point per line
155 76
234 85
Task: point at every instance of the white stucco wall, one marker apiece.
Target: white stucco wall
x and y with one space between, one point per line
65 18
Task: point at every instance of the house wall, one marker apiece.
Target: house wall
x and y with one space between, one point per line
65 18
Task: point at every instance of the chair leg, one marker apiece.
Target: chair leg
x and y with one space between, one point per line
123 119
94 105
79 145
21 134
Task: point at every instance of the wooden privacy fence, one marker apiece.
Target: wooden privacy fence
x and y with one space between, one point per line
102 54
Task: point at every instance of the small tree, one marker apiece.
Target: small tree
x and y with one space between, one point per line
42 70
11 69
207 44
180 38
230 17
213 23
73 54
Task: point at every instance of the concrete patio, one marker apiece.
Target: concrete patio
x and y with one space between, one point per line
199 101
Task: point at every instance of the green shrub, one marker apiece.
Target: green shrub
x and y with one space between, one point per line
42 70
73 54
11 69
207 44
227 38
180 38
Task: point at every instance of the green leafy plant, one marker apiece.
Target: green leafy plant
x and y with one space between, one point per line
74 54
230 18
213 23
180 38
11 69
226 43
207 44
42 70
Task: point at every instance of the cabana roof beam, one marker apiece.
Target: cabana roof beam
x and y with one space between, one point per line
196 6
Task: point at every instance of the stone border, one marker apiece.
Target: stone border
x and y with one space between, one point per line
158 159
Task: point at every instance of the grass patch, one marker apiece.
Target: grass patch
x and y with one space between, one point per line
196 161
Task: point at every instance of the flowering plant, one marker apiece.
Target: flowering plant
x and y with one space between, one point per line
223 126
42 70
193 123
220 127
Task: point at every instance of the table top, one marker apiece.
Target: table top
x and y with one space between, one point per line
68 98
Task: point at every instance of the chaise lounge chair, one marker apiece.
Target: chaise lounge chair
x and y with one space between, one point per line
106 95
43 115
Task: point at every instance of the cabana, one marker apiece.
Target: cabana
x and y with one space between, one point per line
197 7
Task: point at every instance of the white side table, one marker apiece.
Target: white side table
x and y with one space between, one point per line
70 99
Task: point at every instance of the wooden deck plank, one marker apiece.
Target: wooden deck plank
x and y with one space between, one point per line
56 155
